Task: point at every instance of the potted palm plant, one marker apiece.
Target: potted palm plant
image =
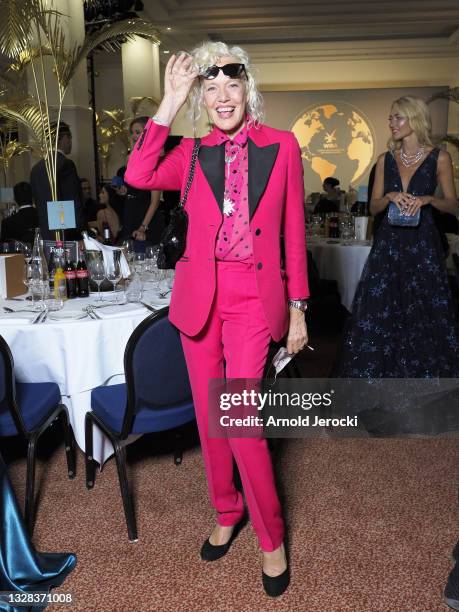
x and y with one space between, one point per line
32 35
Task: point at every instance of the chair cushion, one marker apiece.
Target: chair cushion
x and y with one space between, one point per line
109 404
36 401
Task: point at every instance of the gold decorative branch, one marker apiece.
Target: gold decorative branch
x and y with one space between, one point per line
452 95
30 31
137 101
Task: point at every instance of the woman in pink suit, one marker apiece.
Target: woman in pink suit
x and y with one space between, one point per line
232 291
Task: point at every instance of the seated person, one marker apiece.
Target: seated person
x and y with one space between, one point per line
118 199
90 206
107 217
21 226
329 201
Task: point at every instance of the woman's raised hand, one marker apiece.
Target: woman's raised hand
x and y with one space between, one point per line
179 77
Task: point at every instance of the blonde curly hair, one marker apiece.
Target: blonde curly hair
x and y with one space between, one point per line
210 53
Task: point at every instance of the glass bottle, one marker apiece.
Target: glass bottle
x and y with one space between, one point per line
106 234
82 279
38 255
60 284
70 278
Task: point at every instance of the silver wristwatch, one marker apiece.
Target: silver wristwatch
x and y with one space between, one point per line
299 304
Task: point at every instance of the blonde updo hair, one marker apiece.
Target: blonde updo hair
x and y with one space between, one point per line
210 53
418 114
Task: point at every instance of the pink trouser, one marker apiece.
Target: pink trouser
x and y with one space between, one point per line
235 342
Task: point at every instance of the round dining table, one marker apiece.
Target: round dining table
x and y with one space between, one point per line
342 261
77 351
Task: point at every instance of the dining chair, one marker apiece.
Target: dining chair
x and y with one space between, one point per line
28 409
155 397
325 312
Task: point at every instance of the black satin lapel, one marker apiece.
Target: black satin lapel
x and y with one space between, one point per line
261 162
212 162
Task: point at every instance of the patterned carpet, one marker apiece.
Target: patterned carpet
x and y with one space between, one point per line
371 525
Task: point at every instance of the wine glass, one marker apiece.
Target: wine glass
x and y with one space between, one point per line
97 272
151 253
27 278
27 251
114 273
33 280
139 259
128 248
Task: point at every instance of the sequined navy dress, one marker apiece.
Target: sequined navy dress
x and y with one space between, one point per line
402 323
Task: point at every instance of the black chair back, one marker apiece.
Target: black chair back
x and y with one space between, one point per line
8 388
155 368
455 258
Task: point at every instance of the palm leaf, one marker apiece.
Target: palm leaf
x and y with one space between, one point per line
107 38
14 27
7 125
450 94
18 20
116 128
116 115
55 41
13 148
29 55
9 82
454 140
29 114
138 100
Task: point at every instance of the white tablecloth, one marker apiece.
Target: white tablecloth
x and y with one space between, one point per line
77 355
341 261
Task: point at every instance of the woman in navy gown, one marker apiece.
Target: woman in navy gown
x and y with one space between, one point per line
402 323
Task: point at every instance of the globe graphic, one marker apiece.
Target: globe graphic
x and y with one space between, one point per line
335 140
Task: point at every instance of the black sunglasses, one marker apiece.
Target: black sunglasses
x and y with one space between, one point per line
233 71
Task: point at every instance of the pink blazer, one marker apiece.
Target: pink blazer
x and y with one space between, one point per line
276 205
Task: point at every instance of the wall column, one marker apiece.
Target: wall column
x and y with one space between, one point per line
141 71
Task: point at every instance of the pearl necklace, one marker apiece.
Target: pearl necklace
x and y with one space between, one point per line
411 160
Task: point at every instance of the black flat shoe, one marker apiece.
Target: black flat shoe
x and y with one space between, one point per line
276 585
210 552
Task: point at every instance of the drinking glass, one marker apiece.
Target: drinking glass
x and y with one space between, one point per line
33 278
114 273
27 278
27 251
97 272
315 226
134 289
128 248
151 253
139 259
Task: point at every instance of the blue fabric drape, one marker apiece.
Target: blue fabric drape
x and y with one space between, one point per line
22 569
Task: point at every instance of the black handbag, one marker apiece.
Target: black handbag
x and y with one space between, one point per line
173 240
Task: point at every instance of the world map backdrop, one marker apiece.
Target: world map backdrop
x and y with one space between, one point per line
341 133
